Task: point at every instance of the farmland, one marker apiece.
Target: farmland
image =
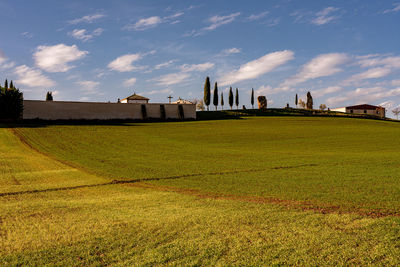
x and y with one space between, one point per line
276 190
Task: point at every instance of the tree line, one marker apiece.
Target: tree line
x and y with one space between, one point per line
11 101
231 99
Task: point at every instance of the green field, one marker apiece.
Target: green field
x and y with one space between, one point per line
251 191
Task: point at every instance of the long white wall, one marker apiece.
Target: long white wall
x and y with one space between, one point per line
63 110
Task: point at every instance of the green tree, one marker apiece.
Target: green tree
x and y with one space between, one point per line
309 101
296 101
237 99
11 85
207 93
222 101
252 97
215 99
6 84
11 103
230 97
49 96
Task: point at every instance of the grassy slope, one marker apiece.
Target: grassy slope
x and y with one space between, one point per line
151 223
331 162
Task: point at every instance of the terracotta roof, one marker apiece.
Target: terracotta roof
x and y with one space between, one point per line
135 97
182 101
364 106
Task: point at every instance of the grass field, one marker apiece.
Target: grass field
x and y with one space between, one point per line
258 190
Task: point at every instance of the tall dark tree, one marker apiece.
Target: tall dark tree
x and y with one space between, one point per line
237 99
6 84
230 97
49 96
296 101
11 103
252 97
215 99
11 85
309 101
207 92
222 101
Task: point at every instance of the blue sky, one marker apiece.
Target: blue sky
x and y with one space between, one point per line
344 52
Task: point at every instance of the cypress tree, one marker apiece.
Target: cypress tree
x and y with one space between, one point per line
215 100
49 96
230 97
296 101
6 84
237 99
207 93
252 97
11 85
222 100
309 101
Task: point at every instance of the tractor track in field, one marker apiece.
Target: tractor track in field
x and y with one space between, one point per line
141 183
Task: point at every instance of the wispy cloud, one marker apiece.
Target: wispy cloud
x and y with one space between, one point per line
230 51
325 16
144 24
257 16
215 22
152 22
163 91
129 82
27 34
164 64
88 87
395 9
326 91
196 67
56 58
32 77
4 62
125 63
258 67
87 19
83 35
373 73
320 66
171 79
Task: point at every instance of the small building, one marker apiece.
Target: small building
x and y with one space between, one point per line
363 109
135 99
182 101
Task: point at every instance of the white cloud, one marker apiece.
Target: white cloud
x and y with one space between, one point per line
4 62
395 9
81 34
56 58
88 87
129 82
153 92
197 67
164 64
373 73
324 16
27 34
217 21
257 16
326 91
174 16
258 67
172 78
364 95
232 50
144 24
32 77
87 18
124 63
379 60
320 66
395 83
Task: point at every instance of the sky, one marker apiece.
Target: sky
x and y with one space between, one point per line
343 52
